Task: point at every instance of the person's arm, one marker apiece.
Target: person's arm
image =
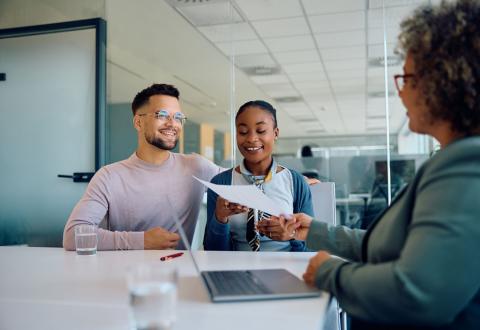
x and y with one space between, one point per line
217 232
91 209
337 240
436 273
208 168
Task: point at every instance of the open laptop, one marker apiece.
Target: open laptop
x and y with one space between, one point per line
246 285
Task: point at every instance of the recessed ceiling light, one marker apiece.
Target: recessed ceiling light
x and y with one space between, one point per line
288 99
392 60
261 70
379 94
305 119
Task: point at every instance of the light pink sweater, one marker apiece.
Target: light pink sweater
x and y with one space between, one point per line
131 196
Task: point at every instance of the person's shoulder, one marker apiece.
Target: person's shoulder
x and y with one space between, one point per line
460 153
297 178
199 165
191 160
224 177
116 167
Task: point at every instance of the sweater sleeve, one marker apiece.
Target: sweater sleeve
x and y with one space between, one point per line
337 240
217 235
302 203
91 209
436 273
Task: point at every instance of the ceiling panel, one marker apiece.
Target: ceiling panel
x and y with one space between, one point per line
254 60
376 36
303 56
342 91
311 125
228 32
303 67
338 22
307 77
340 39
202 14
279 90
290 43
268 9
242 47
343 53
282 27
345 65
394 16
270 79
277 34
313 88
315 7
377 50
346 74
320 101
393 3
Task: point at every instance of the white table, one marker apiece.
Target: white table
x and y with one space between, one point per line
49 288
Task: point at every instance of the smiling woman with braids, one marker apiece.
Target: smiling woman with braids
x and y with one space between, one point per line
418 265
233 227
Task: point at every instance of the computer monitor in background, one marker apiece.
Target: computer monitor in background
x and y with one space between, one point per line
402 172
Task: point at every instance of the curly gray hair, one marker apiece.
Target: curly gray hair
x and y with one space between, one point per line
444 42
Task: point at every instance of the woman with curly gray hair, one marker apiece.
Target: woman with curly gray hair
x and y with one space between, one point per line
418 265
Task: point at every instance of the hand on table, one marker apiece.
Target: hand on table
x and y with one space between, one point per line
313 265
160 239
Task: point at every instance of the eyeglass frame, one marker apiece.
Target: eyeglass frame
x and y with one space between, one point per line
397 77
166 116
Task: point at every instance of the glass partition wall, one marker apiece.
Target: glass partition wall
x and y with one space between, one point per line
327 67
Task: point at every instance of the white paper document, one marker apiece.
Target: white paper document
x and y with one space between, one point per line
247 195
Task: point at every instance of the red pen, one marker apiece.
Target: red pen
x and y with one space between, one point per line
171 256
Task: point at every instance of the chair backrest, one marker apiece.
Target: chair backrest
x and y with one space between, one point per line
324 204
197 240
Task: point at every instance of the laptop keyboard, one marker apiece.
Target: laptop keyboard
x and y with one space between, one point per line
237 283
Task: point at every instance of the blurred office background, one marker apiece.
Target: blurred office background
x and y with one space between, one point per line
327 66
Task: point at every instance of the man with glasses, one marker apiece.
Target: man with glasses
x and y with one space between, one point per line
138 198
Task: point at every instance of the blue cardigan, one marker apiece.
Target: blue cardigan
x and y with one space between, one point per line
217 235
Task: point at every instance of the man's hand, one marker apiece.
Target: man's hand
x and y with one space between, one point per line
313 265
159 239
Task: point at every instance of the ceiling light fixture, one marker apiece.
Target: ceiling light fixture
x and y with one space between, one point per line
392 60
288 99
261 70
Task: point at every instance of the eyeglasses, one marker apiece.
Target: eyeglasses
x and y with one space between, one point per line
401 80
164 116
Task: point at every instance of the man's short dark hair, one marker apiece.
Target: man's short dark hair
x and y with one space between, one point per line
156 89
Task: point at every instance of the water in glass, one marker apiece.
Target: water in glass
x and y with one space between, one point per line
86 243
153 305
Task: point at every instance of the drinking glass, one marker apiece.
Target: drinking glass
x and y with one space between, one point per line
86 239
153 296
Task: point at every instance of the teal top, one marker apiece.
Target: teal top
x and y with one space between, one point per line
418 264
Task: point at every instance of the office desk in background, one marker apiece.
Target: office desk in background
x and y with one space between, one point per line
49 288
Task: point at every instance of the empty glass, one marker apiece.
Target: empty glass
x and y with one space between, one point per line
86 239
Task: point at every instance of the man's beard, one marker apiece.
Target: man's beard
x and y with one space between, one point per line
159 143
